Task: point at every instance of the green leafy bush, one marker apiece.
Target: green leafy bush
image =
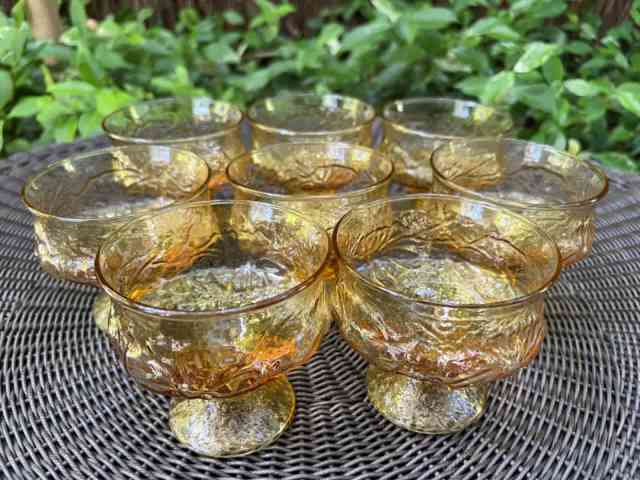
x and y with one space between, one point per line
564 84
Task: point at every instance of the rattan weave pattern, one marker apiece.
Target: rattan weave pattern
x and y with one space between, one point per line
68 411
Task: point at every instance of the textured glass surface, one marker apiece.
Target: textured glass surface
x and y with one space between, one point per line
216 299
555 190
321 180
445 290
311 118
79 201
414 128
211 129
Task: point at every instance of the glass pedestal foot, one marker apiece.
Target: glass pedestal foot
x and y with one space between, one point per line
423 407
239 425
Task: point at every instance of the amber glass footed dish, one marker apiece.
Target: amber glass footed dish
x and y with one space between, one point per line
442 295
217 301
211 129
554 189
322 179
415 127
77 202
311 118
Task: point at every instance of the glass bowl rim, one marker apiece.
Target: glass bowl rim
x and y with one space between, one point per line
591 200
369 117
309 197
545 285
438 101
170 100
87 156
171 314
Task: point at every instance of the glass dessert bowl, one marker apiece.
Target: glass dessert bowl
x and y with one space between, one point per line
553 189
322 180
442 295
311 118
415 127
77 202
217 301
209 128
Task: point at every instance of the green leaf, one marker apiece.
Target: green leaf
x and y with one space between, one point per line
109 58
635 62
72 88
472 86
66 131
426 19
330 36
6 88
387 9
574 146
18 15
581 88
390 75
17 145
561 111
90 123
537 96
538 9
459 5
221 52
51 112
46 74
270 13
592 66
233 18
628 94
617 160
635 12
108 100
432 18
522 6
620 134
78 13
90 70
578 48
365 35
12 44
593 109
27 107
497 88
535 55
553 70
492 27
144 15
503 32
621 60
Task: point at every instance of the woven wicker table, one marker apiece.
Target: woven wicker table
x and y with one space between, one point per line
69 411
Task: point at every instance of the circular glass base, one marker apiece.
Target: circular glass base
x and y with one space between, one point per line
226 427
423 407
105 319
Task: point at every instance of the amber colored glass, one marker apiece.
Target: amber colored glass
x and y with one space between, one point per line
209 128
322 180
311 118
554 189
442 295
217 301
79 201
415 127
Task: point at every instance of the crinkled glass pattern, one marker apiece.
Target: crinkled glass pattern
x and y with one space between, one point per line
555 190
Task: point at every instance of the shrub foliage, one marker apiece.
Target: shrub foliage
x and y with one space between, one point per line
564 84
